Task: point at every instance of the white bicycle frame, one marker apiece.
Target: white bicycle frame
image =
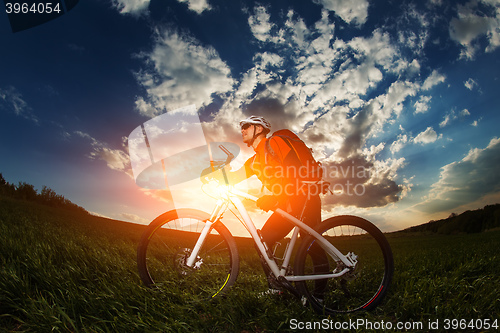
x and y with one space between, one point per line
232 196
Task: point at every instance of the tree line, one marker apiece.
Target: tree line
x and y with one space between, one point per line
471 221
27 192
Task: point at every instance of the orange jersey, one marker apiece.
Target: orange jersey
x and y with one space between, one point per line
277 173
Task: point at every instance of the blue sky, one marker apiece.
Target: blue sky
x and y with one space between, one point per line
406 91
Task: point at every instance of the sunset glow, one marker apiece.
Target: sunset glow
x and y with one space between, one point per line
399 102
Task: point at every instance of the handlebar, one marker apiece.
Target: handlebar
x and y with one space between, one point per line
230 155
214 166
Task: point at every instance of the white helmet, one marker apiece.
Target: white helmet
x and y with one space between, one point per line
254 120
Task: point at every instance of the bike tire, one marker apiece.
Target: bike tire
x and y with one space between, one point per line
168 241
362 289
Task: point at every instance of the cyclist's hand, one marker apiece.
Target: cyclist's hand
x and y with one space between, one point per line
208 174
267 202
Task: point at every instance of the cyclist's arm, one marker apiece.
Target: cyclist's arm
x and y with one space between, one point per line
235 177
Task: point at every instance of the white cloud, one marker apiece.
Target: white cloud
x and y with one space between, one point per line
182 72
473 22
399 143
446 121
432 80
476 122
259 24
133 7
464 113
427 136
351 11
470 84
467 180
422 105
12 99
199 6
133 218
452 115
116 159
417 37
328 90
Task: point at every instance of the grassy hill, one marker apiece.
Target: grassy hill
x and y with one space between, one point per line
65 270
473 221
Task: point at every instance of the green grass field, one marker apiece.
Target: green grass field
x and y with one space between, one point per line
67 271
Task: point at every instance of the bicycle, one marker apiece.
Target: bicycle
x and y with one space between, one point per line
344 264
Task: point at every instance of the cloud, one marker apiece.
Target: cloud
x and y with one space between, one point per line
470 84
476 122
432 80
132 7
467 180
452 115
116 159
140 7
427 136
397 145
336 94
259 24
12 99
362 181
325 97
422 105
181 72
351 11
416 37
464 113
133 218
199 6
474 21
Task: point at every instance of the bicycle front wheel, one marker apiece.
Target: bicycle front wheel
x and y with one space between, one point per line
166 246
365 286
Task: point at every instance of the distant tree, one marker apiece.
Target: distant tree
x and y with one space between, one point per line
6 188
26 191
51 198
47 196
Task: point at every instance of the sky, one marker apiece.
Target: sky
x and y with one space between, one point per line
398 99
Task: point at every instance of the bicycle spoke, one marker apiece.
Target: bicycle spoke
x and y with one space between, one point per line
364 286
167 245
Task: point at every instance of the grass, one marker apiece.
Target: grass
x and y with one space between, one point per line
65 271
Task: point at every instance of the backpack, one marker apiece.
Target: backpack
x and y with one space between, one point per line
309 168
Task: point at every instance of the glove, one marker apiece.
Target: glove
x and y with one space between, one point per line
267 202
208 174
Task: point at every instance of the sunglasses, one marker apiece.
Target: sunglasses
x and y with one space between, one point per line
245 126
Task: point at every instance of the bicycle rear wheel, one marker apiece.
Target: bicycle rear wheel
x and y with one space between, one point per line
167 244
361 289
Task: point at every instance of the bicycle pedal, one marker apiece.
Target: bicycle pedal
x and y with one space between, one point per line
288 286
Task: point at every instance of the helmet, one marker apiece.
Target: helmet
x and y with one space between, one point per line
254 120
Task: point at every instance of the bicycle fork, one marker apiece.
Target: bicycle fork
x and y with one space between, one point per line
219 209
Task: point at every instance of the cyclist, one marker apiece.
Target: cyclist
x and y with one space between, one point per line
276 174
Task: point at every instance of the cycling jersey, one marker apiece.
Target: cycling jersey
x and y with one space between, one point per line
279 173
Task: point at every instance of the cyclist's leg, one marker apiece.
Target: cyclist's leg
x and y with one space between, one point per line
276 228
312 217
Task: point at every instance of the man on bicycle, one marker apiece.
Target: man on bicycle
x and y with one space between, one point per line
276 174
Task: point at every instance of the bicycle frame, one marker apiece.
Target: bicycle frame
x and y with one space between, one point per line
232 196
